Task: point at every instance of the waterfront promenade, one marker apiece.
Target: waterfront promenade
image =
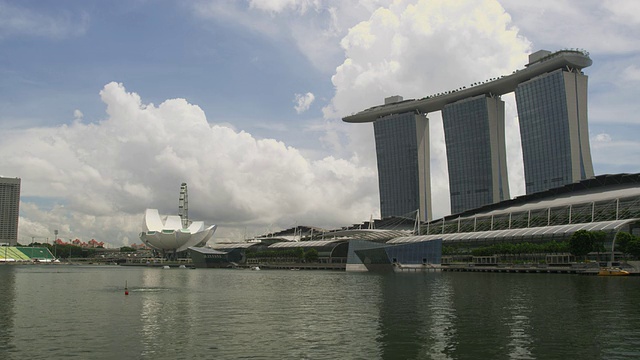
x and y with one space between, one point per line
592 268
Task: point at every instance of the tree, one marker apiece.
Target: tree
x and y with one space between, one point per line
633 247
622 242
599 237
581 243
311 255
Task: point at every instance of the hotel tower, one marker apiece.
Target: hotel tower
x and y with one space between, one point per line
551 97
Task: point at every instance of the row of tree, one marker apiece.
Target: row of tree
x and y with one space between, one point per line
521 248
628 244
580 244
583 242
65 251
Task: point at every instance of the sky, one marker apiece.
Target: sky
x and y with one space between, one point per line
106 107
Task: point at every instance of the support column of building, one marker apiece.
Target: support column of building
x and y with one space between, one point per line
476 152
424 166
576 92
552 110
402 149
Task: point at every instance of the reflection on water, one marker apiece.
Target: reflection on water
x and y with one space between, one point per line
517 317
442 329
53 312
416 317
7 299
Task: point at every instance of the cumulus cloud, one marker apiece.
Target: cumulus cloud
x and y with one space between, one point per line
303 102
408 48
109 172
100 176
420 48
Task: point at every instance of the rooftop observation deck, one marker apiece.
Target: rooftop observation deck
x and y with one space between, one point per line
574 59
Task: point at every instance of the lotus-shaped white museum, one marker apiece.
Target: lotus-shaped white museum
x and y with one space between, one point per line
170 235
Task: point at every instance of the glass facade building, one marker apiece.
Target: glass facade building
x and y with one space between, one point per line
402 149
9 209
476 153
551 97
552 110
385 257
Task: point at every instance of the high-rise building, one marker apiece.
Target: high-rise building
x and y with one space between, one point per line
476 152
402 149
9 209
551 95
552 110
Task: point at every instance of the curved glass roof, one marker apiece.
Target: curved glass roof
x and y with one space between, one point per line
368 234
601 188
239 245
205 250
297 244
519 233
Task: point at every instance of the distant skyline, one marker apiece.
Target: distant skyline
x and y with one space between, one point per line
107 107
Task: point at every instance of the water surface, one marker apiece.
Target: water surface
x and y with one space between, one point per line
62 311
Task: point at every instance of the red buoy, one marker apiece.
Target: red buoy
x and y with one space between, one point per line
126 290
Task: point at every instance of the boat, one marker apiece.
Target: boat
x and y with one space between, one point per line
255 268
612 271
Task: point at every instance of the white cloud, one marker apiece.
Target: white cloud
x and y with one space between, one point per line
314 27
613 157
632 73
101 176
595 25
602 138
109 172
623 11
277 6
16 20
414 49
303 102
78 115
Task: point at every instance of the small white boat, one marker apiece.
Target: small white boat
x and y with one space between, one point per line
255 268
166 267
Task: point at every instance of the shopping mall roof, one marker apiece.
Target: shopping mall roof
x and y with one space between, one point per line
235 245
519 234
304 244
597 189
368 234
206 250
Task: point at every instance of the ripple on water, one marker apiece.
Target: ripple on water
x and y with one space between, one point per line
229 314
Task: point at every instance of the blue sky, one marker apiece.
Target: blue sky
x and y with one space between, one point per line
107 106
